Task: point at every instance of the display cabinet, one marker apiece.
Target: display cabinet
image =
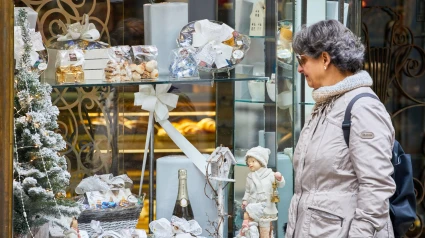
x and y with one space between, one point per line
248 106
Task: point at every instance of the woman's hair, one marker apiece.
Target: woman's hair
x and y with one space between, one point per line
345 48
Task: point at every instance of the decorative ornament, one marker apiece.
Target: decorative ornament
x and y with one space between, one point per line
219 164
275 194
258 19
218 47
84 30
159 102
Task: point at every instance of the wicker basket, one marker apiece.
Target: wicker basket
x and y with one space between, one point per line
110 219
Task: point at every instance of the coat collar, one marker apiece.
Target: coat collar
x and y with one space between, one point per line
360 79
326 96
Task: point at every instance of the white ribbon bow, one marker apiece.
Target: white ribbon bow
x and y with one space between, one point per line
178 227
210 36
84 30
159 103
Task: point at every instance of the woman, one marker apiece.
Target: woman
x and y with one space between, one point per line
340 191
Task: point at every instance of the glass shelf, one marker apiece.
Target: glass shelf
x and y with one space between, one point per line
262 37
307 103
250 101
160 80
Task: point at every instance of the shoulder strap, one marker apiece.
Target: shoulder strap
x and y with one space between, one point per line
346 124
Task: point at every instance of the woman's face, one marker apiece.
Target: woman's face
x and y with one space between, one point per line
253 164
313 70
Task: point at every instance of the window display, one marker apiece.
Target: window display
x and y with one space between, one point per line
120 114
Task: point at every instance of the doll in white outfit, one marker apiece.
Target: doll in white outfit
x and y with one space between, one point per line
259 191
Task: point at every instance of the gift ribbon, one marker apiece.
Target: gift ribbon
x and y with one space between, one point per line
210 36
85 31
159 102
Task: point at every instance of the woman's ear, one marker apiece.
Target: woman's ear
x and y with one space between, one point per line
326 59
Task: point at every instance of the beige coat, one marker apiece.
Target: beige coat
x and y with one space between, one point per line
339 191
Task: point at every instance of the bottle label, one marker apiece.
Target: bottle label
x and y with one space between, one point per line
183 202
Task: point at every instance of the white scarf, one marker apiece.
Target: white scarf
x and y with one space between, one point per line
326 96
257 176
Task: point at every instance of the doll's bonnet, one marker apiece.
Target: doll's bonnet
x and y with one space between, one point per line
259 153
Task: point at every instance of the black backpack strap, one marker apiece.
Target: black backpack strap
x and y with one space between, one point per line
346 124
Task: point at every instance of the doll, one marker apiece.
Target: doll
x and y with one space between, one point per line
249 229
257 200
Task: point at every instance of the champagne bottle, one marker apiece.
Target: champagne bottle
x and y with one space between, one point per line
182 208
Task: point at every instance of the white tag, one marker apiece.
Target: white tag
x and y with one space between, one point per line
227 51
223 55
72 57
221 62
42 66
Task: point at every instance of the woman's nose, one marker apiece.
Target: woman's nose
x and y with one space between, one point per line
300 69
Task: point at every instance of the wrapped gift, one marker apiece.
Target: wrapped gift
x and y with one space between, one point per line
118 66
69 66
108 199
80 36
218 46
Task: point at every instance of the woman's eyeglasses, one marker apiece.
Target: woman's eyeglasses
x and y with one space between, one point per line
301 61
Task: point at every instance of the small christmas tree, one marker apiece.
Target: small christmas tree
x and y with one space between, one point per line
40 172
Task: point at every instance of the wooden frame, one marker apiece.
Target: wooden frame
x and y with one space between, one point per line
6 118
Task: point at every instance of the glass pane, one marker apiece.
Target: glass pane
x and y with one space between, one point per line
285 118
106 133
394 58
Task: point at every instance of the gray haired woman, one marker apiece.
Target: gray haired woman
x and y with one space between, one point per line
340 191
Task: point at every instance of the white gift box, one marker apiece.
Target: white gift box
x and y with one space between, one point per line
94 65
32 16
163 22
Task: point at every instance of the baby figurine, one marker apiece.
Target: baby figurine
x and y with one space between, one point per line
74 232
257 199
249 228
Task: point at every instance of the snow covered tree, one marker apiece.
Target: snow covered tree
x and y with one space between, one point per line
40 172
